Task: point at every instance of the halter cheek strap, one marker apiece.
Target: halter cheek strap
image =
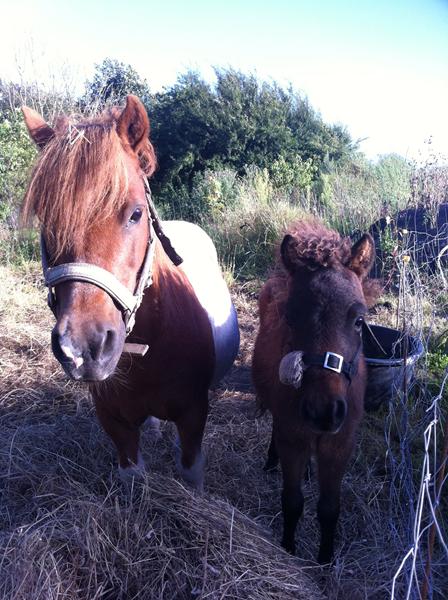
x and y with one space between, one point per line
127 301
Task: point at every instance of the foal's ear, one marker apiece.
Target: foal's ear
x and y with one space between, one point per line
39 131
288 253
133 123
363 256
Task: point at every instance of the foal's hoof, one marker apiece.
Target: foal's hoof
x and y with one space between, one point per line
270 465
325 558
289 546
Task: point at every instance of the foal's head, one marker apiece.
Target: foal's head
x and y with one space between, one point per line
87 191
324 312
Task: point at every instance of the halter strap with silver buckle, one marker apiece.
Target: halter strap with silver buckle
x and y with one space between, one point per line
334 362
293 365
127 301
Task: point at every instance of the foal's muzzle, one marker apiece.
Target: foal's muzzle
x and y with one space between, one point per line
323 410
324 417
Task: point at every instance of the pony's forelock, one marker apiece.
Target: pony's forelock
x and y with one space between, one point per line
80 178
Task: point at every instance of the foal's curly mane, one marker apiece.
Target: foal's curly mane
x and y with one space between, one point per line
80 177
315 246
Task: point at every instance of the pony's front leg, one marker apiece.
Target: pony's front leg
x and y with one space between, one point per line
189 458
332 461
293 460
126 437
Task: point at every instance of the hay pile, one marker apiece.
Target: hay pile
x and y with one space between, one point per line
68 527
68 533
69 530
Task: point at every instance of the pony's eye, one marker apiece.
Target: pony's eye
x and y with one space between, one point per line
358 323
136 216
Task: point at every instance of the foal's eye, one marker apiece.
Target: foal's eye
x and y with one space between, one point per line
136 216
358 323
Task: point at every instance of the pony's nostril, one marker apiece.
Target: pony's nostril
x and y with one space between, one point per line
109 342
339 410
102 344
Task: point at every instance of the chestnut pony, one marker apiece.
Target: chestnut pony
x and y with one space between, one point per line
308 365
102 245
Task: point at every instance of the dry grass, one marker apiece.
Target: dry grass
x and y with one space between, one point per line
70 530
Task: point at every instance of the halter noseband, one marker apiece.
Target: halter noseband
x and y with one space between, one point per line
293 365
127 301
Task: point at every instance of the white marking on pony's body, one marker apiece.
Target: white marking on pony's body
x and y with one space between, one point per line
200 264
134 470
194 476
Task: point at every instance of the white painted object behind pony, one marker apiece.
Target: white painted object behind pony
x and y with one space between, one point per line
200 264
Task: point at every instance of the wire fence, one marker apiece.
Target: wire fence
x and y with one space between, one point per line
416 431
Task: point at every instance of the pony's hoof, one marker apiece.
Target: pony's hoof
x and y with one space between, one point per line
193 475
133 471
153 428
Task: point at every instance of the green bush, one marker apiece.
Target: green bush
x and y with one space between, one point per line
18 247
17 153
246 217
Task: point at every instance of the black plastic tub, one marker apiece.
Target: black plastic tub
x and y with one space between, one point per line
387 370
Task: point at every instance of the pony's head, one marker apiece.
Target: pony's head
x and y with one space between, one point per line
324 311
88 192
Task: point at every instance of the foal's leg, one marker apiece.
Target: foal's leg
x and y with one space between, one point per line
189 457
272 459
126 437
332 462
293 460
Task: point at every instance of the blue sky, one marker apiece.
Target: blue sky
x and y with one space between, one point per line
381 68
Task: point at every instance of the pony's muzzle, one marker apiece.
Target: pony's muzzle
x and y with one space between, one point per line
89 357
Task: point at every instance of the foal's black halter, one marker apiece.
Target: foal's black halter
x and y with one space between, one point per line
335 362
293 365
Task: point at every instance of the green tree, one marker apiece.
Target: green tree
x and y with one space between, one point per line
111 82
17 153
237 122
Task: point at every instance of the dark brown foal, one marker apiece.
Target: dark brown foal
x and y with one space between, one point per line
308 366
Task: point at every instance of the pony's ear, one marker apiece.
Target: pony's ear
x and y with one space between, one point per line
133 123
288 253
39 131
363 256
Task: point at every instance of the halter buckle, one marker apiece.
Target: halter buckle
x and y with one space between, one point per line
333 362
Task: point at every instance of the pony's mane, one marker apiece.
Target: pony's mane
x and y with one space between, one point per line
80 178
315 246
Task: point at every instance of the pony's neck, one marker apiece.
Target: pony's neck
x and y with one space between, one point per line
170 305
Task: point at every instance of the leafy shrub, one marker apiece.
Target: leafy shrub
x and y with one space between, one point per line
17 153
